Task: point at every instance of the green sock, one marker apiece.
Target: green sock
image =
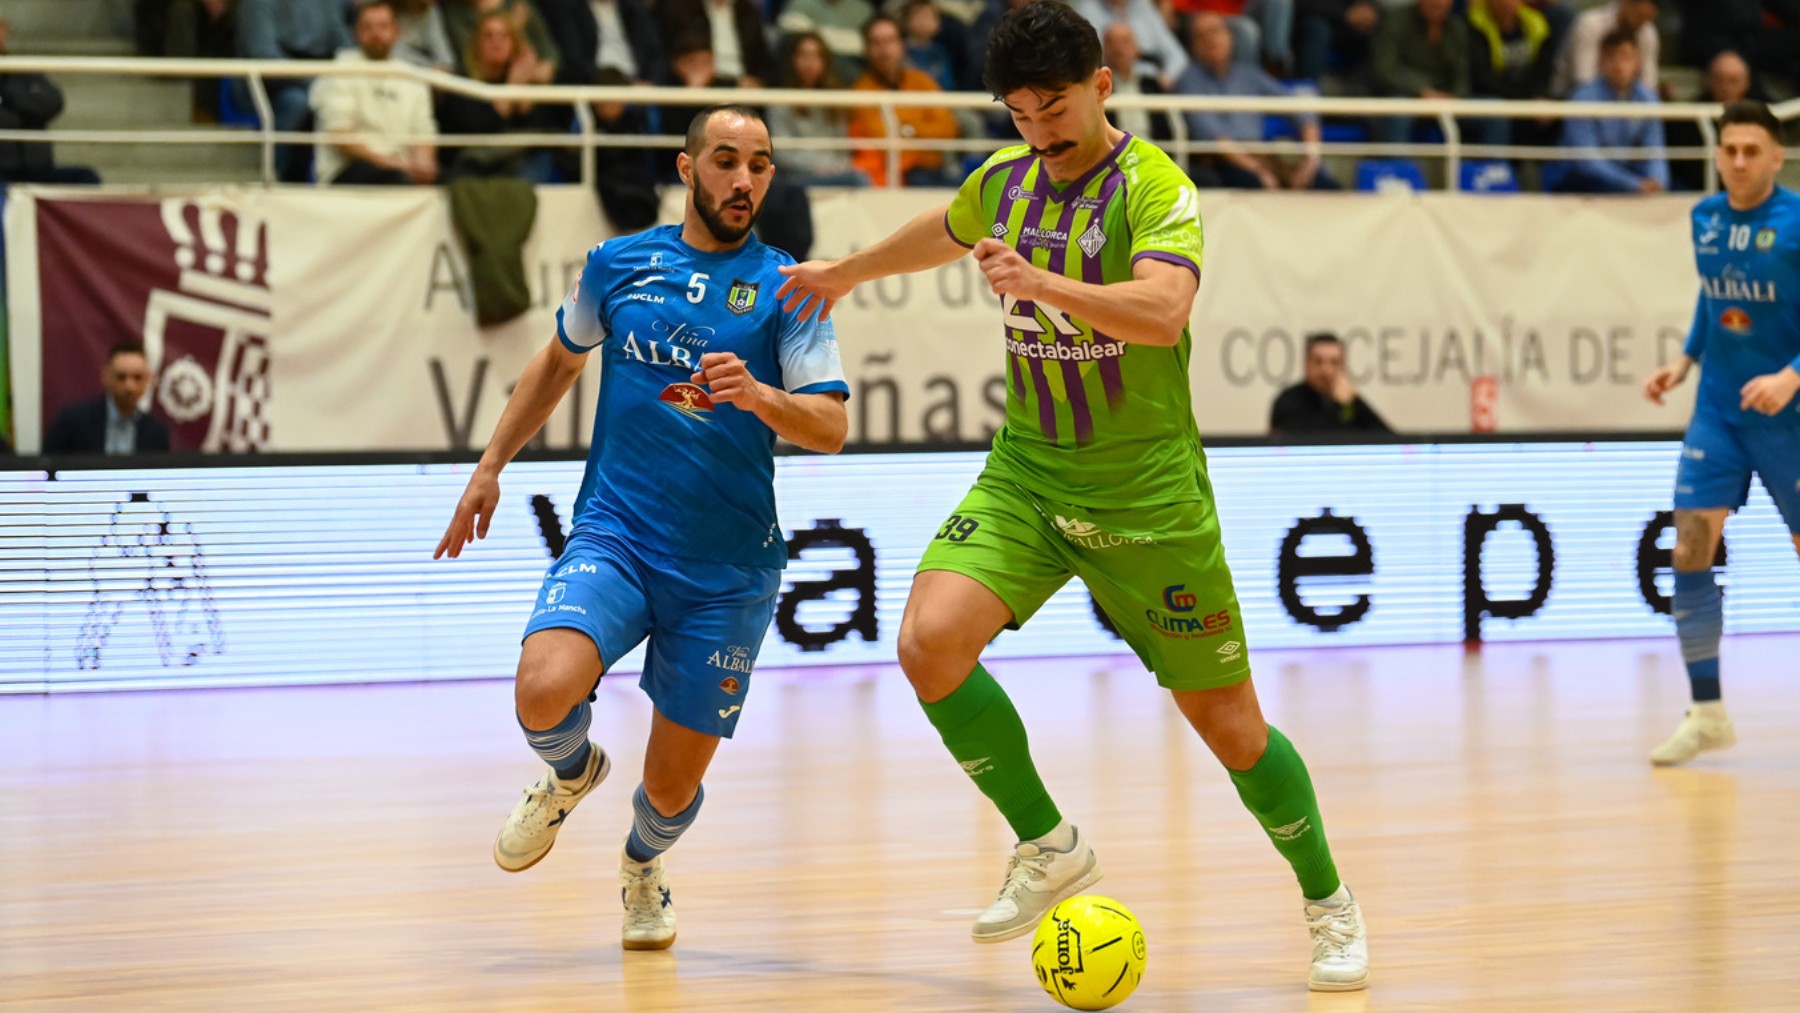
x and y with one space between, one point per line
984 733
1279 793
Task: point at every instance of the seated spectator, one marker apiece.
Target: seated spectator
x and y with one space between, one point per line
1333 34
1579 60
372 123
30 102
1511 59
1214 72
1325 401
1421 51
424 41
1765 32
190 28
1119 50
461 16
114 423
839 22
920 23
976 42
1619 82
809 66
1259 28
1727 81
884 55
291 30
623 176
1160 54
597 35
497 56
691 65
734 32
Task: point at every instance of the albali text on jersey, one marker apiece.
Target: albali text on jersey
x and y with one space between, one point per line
1747 320
668 468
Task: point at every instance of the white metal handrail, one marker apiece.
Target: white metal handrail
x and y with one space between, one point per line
1445 112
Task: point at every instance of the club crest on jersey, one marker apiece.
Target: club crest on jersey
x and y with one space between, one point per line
1092 240
1765 240
1735 320
688 399
741 298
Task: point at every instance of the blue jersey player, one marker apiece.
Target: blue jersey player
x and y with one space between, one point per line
1746 338
675 537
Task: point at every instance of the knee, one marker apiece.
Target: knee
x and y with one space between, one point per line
669 793
1237 745
540 697
932 658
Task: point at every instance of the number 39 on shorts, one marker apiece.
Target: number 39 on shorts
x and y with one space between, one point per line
958 528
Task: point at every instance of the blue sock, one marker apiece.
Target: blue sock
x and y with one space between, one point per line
652 833
565 748
1699 622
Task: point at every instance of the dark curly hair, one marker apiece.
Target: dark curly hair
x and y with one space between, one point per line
1042 45
1753 113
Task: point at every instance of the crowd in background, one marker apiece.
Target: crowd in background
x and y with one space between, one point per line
1466 49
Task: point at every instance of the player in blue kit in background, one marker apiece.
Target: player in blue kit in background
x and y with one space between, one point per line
675 535
1746 338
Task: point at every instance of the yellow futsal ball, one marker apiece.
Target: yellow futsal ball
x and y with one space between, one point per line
1089 952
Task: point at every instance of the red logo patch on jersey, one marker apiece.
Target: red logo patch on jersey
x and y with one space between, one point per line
688 399
730 685
1735 320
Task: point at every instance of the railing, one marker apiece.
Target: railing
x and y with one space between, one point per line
1445 112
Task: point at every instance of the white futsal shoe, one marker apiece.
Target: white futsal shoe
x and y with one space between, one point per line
1036 881
1340 960
649 909
1704 727
531 829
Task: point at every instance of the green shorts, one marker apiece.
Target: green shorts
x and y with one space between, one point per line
1158 572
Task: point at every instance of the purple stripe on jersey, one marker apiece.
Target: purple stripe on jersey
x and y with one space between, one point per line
1172 258
1013 178
1112 378
1018 376
1071 370
1034 216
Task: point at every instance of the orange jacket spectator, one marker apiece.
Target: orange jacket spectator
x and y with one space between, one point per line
883 52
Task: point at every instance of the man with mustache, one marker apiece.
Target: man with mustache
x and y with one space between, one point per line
675 536
1091 238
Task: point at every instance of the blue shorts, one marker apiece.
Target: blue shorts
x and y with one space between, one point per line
1718 457
705 622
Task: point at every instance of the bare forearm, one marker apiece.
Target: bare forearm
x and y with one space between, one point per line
816 422
1136 312
547 378
919 245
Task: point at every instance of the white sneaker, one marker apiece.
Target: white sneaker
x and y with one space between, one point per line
1036 881
531 829
1704 727
1340 960
649 909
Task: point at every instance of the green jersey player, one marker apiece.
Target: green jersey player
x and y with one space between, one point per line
1092 240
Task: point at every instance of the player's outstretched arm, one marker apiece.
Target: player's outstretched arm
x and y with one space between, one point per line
817 285
547 378
817 422
1150 309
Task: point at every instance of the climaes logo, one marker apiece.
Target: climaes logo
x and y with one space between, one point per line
1178 623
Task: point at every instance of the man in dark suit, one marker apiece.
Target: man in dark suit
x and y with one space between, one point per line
1324 402
111 424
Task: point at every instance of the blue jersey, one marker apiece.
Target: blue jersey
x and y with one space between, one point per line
1747 322
668 470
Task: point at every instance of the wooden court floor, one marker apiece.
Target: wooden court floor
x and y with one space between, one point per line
327 849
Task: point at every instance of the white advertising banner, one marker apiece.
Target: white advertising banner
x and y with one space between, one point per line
265 575
300 320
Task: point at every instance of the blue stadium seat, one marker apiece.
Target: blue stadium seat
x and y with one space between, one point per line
1488 177
1389 174
235 107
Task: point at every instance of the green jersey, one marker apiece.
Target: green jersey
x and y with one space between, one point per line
1089 419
